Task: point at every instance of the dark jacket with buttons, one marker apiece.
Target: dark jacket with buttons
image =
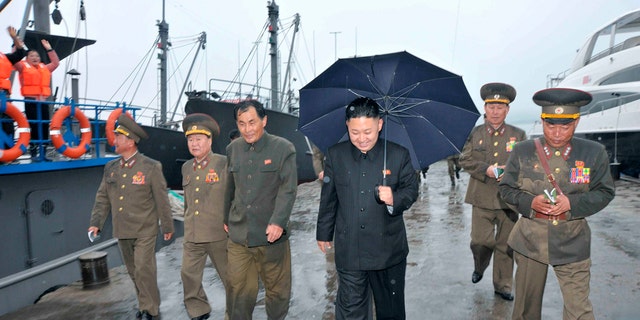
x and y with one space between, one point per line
262 188
366 235
135 193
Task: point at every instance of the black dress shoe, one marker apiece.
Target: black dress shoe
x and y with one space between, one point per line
476 277
505 295
146 316
202 317
138 314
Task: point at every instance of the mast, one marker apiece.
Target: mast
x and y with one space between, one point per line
41 16
287 80
273 51
163 31
202 40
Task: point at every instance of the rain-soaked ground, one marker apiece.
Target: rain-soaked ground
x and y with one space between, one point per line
439 268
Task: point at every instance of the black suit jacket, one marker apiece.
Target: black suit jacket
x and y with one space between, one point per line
367 236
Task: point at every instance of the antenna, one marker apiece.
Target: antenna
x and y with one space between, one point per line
335 44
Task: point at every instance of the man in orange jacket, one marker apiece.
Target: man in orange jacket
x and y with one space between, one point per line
35 79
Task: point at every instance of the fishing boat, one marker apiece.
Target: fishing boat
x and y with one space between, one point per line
47 190
281 105
608 67
46 197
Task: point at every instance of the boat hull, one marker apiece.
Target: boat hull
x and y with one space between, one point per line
170 148
628 149
45 215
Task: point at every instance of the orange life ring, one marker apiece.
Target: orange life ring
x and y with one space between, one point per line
111 125
23 129
56 135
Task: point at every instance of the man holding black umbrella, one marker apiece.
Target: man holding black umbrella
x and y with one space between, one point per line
364 195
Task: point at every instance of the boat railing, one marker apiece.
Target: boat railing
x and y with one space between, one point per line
604 53
605 104
554 80
40 150
236 91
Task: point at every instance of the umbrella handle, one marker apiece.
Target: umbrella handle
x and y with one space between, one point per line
384 169
376 193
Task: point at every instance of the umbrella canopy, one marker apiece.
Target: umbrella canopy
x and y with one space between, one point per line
426 109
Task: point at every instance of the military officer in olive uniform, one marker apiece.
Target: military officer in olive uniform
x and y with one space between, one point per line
263 184
553 230
483 155
204 181
134 191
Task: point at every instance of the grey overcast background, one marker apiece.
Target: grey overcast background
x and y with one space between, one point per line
518 42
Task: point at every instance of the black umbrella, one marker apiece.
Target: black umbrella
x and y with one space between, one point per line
426 109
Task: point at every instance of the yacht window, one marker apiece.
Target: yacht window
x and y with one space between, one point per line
629 75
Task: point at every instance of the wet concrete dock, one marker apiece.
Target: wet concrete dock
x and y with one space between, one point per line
438 273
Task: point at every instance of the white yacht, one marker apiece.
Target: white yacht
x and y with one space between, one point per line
608 67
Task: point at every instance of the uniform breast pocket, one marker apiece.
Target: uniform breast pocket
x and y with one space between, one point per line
269 168
479 148
269 172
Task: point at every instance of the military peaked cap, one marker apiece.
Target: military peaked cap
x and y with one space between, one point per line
200 123
497 92
561 105
130 128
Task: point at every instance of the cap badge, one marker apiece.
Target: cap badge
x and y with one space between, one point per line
559 110
194 127
496 96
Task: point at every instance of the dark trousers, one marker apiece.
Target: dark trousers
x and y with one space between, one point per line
7 127
573 278
194 258
139 256
7 124
388 293
39 130
490 230
272 265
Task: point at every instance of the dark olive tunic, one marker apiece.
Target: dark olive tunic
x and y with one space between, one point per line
485 147
135 193
204 186
582 172
262 189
